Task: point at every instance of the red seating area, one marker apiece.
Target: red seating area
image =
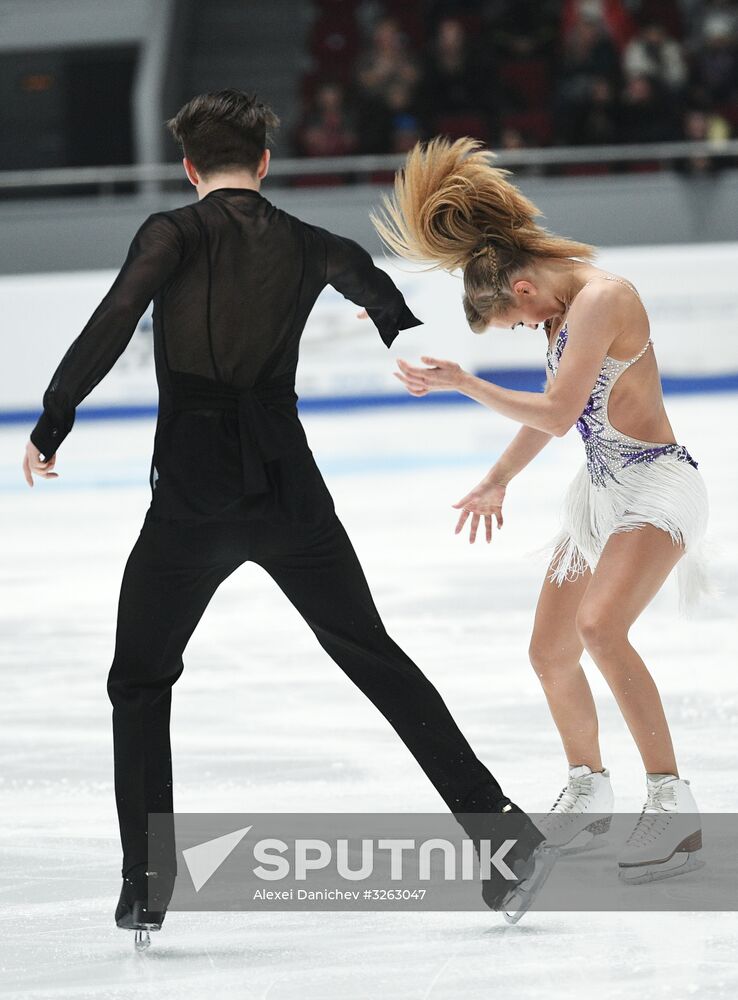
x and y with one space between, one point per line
517 111
335 43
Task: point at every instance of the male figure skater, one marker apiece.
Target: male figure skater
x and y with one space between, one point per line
233 279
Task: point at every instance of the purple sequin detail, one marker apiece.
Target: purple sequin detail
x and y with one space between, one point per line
585 424
649 454
606 449
558 349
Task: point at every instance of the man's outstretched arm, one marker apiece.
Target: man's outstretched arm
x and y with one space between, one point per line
350 269
154 253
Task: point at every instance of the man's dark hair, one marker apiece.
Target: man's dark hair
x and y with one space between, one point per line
225 130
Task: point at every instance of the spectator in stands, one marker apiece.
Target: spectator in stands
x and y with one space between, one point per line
598 120
589 55
329 128
387 61
613 17
406 132
385 84
703 126
716 59
652 53
647 112
714 17
452 80
612 79
404 122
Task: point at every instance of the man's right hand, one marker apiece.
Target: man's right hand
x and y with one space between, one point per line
32 464
485 500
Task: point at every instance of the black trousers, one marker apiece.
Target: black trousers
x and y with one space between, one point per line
170 576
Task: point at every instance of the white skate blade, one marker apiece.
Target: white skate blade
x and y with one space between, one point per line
679 864
585 840
522 896
142 938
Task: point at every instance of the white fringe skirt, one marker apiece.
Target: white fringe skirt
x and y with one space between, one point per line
667 493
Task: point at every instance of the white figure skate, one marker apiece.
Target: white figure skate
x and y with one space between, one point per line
582 813
668 835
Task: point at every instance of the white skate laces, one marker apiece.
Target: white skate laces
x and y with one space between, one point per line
571 824
661 799
667 836
571 795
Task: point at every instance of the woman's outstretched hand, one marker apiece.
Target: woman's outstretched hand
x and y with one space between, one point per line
440 375
32 464
485 500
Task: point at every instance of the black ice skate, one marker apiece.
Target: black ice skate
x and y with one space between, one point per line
532 879
531 859
143 902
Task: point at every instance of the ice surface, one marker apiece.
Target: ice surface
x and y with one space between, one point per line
264 721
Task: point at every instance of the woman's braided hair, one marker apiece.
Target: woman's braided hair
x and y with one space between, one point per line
493 274
452 209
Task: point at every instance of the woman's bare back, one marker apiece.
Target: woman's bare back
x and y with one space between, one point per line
636 404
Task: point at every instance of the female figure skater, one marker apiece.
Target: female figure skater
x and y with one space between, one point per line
637 508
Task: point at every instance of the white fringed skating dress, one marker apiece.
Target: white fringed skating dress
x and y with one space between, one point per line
626 483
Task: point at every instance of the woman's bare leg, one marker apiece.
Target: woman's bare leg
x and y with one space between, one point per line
555 650
630 572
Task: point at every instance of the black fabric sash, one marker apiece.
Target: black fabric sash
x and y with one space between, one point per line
262 438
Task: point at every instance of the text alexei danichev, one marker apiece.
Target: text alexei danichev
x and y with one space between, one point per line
313 894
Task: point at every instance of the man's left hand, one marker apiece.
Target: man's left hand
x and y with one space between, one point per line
32 464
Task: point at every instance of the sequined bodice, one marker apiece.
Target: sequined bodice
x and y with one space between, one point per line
607 449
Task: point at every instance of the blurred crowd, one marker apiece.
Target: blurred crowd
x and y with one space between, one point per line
519 73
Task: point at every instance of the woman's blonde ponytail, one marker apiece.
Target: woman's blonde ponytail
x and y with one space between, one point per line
452 209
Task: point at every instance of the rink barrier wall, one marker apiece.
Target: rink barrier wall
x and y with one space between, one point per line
689 291
522 379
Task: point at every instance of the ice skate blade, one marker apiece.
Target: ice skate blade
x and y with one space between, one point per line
586 839
545 857
142 940
679 864
142 936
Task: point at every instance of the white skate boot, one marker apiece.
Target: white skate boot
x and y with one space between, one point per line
668 835
582 812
